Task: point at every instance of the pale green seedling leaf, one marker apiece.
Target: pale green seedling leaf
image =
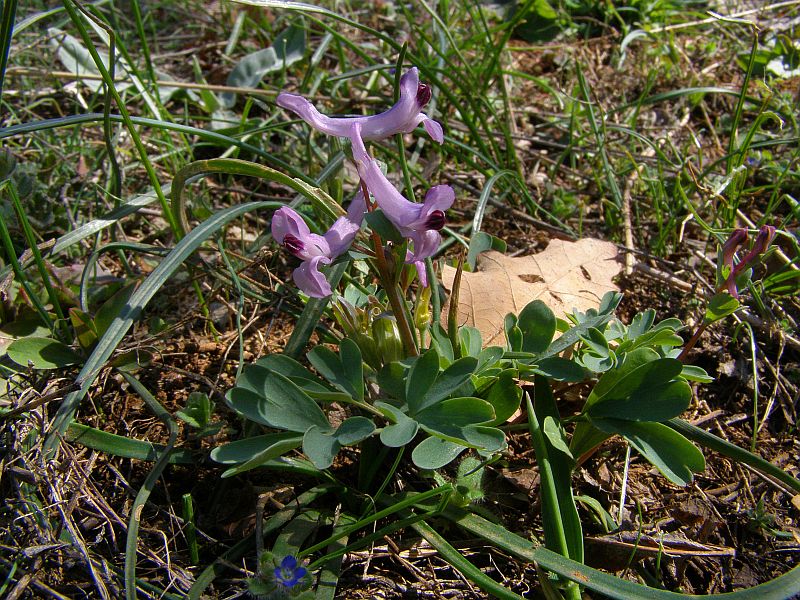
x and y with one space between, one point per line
287 48
42 353
720 306
198 410
85 330
435 453
695 373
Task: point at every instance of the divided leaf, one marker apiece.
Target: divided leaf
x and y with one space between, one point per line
671 453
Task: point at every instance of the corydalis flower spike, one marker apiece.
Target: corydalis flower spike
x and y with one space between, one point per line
290 231
763 240
420 223
403 117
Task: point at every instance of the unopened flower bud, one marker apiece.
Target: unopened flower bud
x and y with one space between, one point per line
387 338
422 314
763 240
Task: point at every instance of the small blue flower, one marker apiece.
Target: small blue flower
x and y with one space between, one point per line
289 574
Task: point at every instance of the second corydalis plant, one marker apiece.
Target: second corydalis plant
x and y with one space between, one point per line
737 240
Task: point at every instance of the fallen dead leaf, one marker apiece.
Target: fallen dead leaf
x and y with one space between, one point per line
565 276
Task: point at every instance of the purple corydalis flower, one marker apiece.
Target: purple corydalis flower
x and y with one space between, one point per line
403 117
737 239
290 231
420 223
288 574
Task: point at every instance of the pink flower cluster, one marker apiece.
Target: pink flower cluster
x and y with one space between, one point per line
420 223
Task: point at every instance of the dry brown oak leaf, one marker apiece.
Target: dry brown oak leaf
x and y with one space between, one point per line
566 275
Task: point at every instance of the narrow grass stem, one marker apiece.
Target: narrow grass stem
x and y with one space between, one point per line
19 273
398 506
70 5
30 238
9 8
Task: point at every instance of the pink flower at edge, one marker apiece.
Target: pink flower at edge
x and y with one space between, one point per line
737 238
290 231
403 117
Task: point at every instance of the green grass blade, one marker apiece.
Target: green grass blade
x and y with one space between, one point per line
111 339
118 445
132 538
466 568
780 588
234 166
135 138
203 134
713 442
9 11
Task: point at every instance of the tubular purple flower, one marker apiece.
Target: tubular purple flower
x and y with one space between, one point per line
290 231
420 223
737 238
403 117
763 240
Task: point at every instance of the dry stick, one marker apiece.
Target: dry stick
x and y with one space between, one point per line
626 220
736 15
160 83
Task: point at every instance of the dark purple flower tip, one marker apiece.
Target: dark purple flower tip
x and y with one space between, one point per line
423 94
295 246
763 240
736 239
436 220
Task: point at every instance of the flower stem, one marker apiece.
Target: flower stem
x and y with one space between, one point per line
392 291
692 341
